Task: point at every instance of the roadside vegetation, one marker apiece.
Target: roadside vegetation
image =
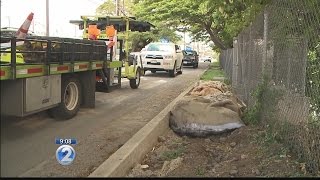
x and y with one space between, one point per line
213 71
215 22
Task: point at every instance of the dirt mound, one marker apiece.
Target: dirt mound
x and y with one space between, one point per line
210 108
245 152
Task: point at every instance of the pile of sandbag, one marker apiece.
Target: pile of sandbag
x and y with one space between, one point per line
205 88
209 108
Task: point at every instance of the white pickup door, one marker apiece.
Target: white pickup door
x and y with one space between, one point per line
179 56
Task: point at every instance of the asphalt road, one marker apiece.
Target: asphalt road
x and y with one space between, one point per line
28 144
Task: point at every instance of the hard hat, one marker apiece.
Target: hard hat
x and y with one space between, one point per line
110 31
93 30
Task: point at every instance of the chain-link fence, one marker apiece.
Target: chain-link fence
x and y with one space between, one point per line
279 55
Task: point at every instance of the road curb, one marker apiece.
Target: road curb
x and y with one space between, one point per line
133 151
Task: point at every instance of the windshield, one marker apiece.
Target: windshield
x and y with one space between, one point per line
189 53
160 47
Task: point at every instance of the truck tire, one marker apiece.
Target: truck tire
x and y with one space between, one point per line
70 99
172 73
134 83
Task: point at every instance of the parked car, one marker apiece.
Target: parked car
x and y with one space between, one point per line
206 59
158 56
190 58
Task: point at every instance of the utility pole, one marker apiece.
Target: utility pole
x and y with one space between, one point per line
198 43
33 25
75 31
123 7
9 21
184 38
117 7
47 17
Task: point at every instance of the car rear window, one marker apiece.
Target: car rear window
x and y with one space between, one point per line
189 53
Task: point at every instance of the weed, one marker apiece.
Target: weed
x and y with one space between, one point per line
173 154
200 171
227 81
266 99
215 64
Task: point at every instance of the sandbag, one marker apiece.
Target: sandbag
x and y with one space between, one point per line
208 109
205 88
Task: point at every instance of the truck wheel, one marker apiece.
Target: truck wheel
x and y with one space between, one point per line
195 65
172 73
134 83
70 99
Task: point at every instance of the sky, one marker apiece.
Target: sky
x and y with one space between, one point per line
14 13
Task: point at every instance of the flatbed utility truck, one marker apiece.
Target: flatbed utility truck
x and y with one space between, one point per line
61 75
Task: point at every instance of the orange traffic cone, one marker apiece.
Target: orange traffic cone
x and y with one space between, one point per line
23 30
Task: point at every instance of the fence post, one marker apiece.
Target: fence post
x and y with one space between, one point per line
248 64
304 65
265 63
235 63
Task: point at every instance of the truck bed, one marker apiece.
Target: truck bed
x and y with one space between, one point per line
52 55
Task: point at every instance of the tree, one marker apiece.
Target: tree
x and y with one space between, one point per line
218 20
109 8
136 39
139 40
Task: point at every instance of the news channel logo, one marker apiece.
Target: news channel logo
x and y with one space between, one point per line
65 153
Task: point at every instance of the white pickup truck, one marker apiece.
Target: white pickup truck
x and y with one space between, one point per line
159 56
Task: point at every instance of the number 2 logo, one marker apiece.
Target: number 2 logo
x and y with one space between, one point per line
65 154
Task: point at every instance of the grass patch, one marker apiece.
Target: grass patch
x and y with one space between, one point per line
200 171
213 71
170 155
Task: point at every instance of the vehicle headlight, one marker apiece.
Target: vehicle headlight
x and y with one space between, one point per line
168 57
